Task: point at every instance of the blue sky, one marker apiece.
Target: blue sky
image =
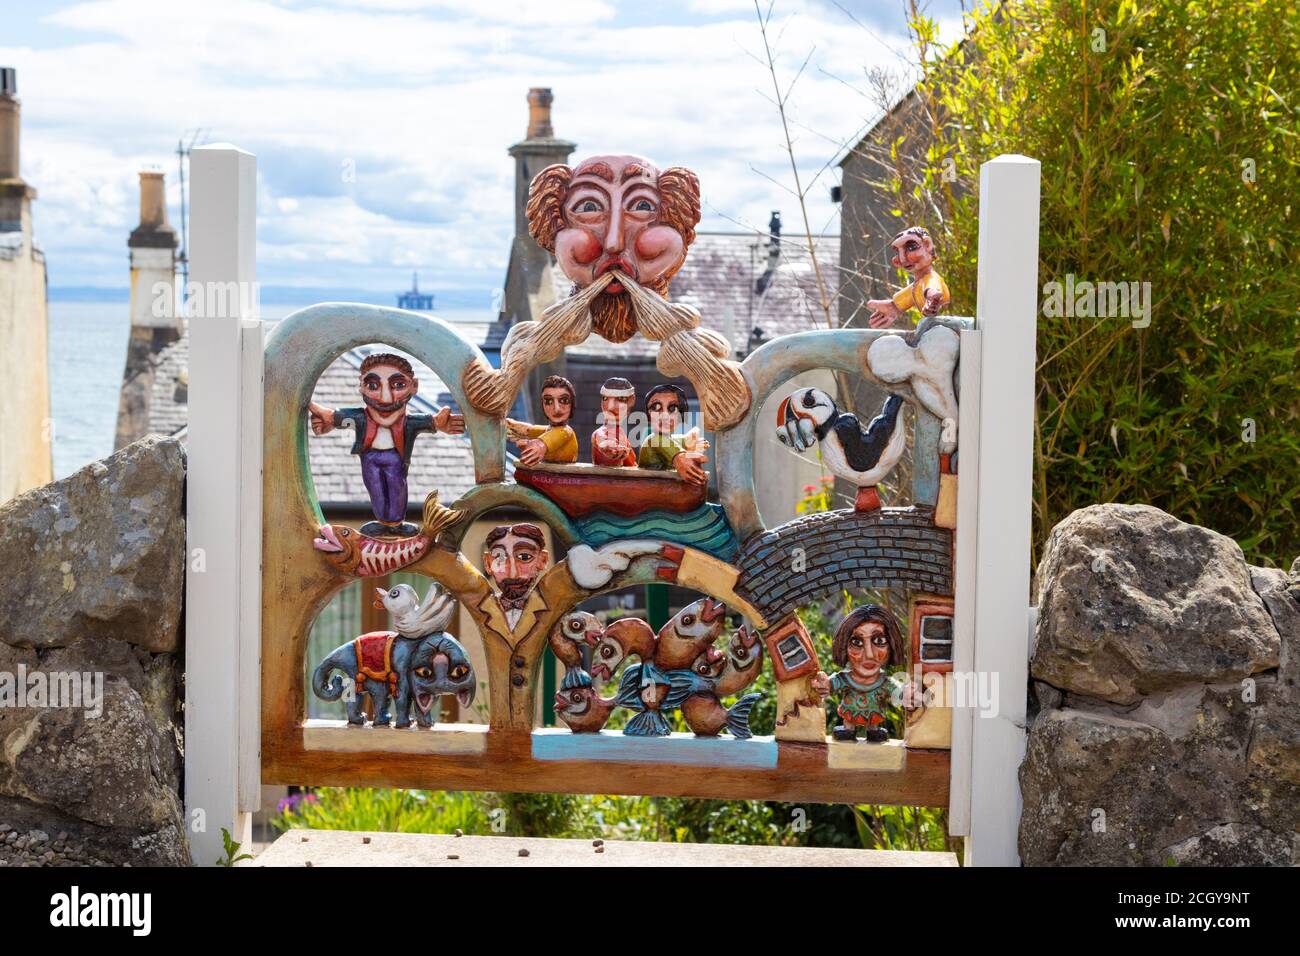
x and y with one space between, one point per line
422 98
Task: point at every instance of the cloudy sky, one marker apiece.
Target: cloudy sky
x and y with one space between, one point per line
422 98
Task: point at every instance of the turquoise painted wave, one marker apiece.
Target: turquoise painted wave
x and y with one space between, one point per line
705 529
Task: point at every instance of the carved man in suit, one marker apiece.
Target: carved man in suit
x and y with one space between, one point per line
514 557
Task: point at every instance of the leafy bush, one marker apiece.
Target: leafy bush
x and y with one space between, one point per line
1168 139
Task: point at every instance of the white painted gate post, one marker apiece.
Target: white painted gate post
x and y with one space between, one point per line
1006 314
219 521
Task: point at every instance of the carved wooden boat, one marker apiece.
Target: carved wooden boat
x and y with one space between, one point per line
581 489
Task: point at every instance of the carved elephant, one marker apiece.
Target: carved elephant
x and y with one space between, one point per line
404 671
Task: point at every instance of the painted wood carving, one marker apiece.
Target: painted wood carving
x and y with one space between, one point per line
927 292
411 667
620 228
639 709
385 437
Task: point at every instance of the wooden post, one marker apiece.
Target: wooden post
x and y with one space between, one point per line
222 257
252 369
964 574
1006 316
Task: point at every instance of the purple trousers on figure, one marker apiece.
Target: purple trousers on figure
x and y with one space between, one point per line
384 473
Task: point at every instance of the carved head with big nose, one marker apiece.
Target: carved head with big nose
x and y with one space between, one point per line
615 213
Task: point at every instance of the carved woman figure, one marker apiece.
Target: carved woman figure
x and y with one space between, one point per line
666 406
555 441
866 643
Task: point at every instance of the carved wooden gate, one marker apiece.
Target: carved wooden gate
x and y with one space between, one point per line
272 562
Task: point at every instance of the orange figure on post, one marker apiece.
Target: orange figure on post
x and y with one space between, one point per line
927 293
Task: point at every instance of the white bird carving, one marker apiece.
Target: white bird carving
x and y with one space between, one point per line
411 618
593 568
928 368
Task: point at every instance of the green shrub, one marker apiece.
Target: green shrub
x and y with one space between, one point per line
1149 119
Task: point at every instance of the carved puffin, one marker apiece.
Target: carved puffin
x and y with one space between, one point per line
861 455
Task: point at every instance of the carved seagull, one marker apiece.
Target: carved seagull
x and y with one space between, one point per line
863 456
413 618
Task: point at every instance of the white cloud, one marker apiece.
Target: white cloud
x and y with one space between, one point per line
421 99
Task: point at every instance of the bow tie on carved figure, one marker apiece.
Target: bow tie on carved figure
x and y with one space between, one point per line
514 557
619 227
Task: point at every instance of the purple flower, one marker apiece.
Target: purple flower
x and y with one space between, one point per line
293 802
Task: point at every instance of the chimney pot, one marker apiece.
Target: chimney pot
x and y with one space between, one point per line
539 113
153 199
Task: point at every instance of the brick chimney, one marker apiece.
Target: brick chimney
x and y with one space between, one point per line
535 152
540 99
153 231
15 195
155 314
9 123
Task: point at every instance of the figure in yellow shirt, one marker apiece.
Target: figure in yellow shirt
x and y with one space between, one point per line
927 293
555 441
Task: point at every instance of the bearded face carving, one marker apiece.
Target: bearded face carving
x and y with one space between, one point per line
615 213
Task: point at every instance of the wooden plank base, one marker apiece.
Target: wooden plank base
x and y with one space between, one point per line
555 743
398 850
863 755
340 736
507 762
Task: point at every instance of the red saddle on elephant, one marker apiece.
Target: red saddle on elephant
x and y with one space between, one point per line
375 659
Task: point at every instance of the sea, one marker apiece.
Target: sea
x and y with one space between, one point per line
87 356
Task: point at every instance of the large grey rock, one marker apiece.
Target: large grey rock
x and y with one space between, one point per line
102 551
1167 677
1275 747
1173 780
1133 601
95 604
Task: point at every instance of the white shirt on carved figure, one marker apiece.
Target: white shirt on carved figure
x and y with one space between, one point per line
383 436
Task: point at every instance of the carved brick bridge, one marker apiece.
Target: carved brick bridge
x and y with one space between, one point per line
844 549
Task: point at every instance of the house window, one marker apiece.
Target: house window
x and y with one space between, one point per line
793 653
791 650
932 634
936 639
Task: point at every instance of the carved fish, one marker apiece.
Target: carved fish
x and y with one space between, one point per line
366 557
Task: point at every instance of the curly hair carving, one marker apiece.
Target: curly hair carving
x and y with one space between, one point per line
679 189
545 209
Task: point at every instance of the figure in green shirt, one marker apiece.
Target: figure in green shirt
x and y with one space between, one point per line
865 644
666 406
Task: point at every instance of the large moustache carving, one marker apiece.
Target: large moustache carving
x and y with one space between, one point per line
700 355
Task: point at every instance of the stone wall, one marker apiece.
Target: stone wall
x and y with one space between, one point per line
91 596
1165 704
